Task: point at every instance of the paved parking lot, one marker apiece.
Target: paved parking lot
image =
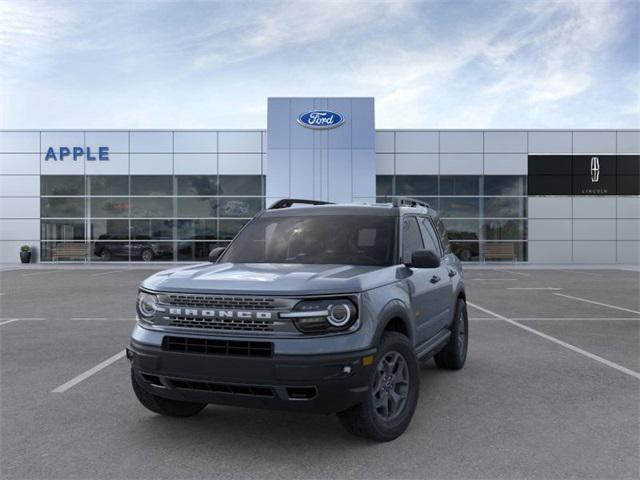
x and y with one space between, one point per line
550 390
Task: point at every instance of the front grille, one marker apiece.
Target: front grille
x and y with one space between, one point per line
222 324
254 390
221 302
218 347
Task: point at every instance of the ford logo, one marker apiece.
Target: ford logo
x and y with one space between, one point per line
320 119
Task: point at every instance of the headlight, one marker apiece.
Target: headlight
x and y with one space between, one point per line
323 316
146 306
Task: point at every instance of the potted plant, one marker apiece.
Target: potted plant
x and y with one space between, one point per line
25 254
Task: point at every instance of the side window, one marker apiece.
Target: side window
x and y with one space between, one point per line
411 238
431 241
444 237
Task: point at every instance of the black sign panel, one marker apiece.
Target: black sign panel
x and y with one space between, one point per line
584 174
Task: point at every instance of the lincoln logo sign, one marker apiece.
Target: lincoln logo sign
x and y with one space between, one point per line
595 169
320 119
76 153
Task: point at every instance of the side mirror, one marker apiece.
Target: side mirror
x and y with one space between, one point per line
424 259
215 254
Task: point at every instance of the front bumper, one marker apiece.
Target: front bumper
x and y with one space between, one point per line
305 383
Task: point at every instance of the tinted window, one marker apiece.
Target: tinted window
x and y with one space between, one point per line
317 239
197 185
197 207
151 185
505 185
152 207
110 207
62 229
62 185
384 185
109 185
112 229
460 207
429 236
240 184
416 185
462 229
411 238
151 229
62 207
505 207
459 185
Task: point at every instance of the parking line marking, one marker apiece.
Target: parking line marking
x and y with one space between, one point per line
534 288
101 319
83 376
573 348
597 303
579 272
481 278
518 273
104 273
11 320
39 273
578 319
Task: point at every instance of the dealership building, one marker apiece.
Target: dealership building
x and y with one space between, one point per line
537 196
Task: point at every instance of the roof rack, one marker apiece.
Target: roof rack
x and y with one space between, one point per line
288 202
409 202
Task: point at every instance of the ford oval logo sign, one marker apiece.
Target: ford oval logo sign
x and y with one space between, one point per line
320 119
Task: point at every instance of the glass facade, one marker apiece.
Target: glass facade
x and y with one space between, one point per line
485 215
141 218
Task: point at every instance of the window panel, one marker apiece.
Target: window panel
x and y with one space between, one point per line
504 229
151 185
152 207
62 185
466 251
62 207
109 207
194 207
504 251
228 229
240 184
505 207
110 185
197 185
62 229
63 251
459 185
510 185
429 236
151 229
384 185
109 229
198 229
110 250
197 251
411 238
240 207
462 229
151 251
460 207
416 185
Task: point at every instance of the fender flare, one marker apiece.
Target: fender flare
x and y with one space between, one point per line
394 309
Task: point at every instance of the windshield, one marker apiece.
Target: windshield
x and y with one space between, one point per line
338 239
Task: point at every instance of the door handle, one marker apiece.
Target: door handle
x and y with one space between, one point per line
435 279
452 273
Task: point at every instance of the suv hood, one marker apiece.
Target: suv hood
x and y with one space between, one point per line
270 279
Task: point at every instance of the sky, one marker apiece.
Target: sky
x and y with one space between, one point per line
434 64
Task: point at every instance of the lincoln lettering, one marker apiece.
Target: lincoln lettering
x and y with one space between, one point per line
76 153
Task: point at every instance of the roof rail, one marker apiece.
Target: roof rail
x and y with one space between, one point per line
288 202
409 202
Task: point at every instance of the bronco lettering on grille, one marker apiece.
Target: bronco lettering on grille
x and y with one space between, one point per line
234 314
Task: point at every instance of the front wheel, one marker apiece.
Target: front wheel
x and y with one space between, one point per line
454 354
164 406
392 395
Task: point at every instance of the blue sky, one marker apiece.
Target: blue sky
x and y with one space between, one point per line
450 64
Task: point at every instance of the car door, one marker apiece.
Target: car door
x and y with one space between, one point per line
422 288
442 280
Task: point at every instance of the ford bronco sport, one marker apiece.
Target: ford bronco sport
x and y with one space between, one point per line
316 308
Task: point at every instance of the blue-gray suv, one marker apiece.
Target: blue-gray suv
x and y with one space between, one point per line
313 307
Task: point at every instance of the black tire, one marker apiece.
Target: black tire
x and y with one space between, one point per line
454 354
164 406
146 255
366 420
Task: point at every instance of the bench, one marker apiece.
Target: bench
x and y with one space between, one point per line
68 251
498 251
